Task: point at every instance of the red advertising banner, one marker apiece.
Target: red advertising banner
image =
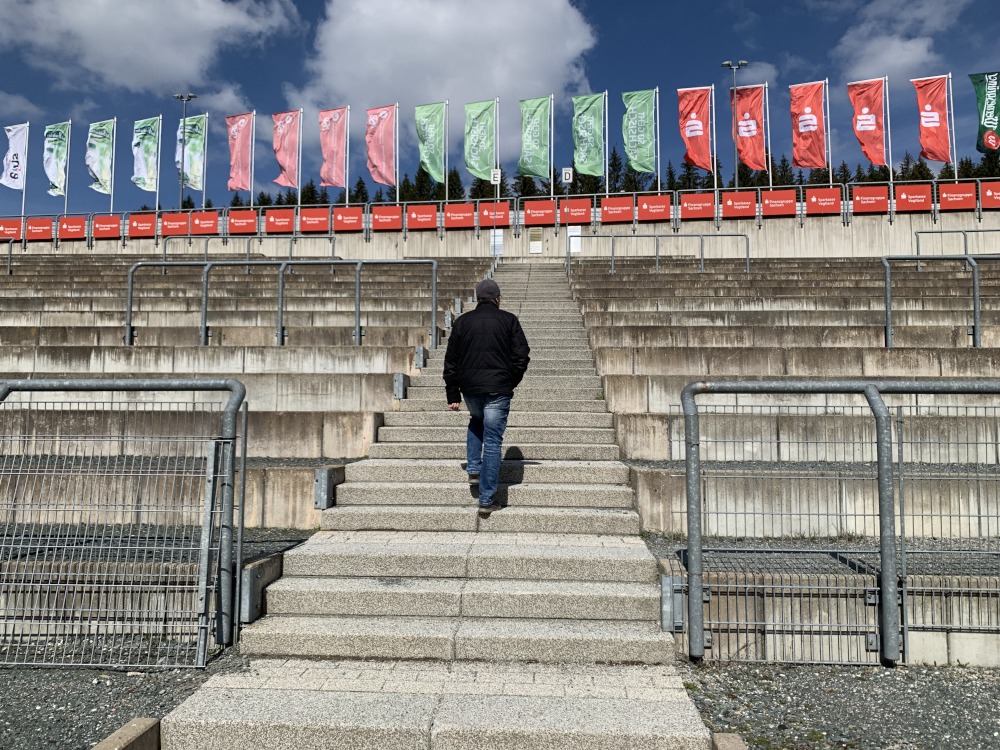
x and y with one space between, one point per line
697 206
72 228
279 221
654 208
385 218
314 220
172 225
139 226
459 215
110 227
617 210
538 213
10 229
575 210
205 222
348 219
870 199
911 198
747 103
739 205
38 229
932 100
808 126
243 222
493 215
960 197
778 202
693 117
989 194
822 201
421 217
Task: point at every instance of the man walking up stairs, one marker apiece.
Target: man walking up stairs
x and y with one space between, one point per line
412 621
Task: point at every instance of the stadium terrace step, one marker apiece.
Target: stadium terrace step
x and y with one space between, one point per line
521 451
521 496
512 471
514 435
517 419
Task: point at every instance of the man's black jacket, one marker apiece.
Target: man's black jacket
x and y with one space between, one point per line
487 353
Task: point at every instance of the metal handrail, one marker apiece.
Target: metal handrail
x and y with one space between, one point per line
10 256
976 312
964 232
888 581
282 265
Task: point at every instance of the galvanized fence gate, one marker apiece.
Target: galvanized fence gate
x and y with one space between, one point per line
120 520
840 521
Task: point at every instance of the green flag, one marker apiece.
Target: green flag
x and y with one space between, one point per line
430 137
55 155
191 142
986 85
480 119
100 155
588 134
535 160
146 152
638 131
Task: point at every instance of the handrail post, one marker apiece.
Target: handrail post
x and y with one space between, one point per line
695 570
279 326
746 240
656 245
203 329
888 578
10 257
701 253
357 303
977 340
129 337
612 271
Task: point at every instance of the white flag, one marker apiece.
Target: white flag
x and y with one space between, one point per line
13 162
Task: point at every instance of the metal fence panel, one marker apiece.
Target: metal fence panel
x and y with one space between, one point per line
112 515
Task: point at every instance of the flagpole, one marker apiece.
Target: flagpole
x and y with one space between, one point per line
253 149
656 118
347 158
496 160
604 143
114 141
829 138
204 163
24 172
768 155
395 149
552 146
951 128
446 180
715 166
298 163
159 150
69 134
888 130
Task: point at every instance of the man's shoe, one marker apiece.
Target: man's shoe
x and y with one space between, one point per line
485 510
473 479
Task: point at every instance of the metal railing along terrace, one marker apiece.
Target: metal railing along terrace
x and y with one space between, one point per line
120 520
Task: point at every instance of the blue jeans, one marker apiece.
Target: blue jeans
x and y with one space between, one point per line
484 440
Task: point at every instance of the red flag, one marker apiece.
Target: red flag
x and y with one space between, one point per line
333 144
808 128
748 104
286 147
932 99
240 129
380 136
868 100
694 119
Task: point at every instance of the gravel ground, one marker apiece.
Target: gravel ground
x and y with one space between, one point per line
771 706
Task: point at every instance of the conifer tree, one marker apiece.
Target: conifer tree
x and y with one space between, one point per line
783 172
615 171
264 199
360 192
670 180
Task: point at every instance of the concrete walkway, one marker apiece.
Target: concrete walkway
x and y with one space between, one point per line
411 622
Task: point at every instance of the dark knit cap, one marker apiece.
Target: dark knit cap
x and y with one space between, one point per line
487 289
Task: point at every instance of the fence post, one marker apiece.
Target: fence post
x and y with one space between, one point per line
692 439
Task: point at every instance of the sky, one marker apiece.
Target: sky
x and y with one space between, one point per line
92 60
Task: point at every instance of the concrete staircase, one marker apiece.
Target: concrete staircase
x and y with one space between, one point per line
409 621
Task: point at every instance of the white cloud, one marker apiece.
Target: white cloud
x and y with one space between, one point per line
137 45
418 51
896 38
17 106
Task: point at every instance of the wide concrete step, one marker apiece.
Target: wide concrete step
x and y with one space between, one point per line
525 556
521 404
465 639
553 368
436 393
512 472
460 494
422 597
404 705
466 518
516 419
520 451
421 434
